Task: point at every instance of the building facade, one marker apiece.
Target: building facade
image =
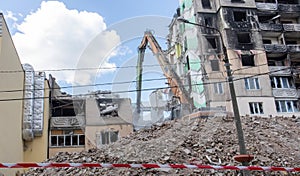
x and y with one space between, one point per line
92 120
261 39
23 107
11 141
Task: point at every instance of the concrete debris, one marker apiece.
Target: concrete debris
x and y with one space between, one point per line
273 141
109 109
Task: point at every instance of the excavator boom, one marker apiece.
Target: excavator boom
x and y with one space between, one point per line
174 80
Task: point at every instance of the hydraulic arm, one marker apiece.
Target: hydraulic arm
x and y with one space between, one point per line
173 79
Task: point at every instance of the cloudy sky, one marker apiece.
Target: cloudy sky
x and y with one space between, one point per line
72 34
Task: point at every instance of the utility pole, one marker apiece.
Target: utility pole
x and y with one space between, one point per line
237 119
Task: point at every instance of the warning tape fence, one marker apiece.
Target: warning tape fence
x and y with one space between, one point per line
147 166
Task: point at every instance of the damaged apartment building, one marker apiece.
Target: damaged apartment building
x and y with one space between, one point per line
82 122
262 42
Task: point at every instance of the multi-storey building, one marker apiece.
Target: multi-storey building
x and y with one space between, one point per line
262 42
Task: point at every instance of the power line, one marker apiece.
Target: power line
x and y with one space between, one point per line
99 68
113 83
148 89
124 82
87 85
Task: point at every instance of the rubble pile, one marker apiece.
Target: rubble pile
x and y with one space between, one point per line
273 141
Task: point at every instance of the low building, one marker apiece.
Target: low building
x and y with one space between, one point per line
23 107
89 121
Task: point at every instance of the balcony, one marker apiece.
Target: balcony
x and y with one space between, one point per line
74 122
266 6
285 93
270 27
279 70
241 25
275 48
293 48
289 8
291 27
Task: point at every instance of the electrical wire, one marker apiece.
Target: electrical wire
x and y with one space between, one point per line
126 82
99 68
149 89
114 83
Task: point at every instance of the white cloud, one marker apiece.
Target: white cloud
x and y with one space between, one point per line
10 15
54 37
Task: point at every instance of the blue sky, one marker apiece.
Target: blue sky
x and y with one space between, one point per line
93 33
112 10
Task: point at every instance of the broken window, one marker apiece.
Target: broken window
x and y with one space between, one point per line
286 106
282 82
256 108
291 42
276 63
266 1
237 1
277 60
247 60
288 1
208 21
251 83
267 41
212 44
206 4
244 38
215 65
66 108
239 16
107 137
108 107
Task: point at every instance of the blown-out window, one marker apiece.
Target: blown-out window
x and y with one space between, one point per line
247 60
244 38
107 137
206 4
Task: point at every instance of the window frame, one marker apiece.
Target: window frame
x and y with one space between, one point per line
62 142
283 107
218 88
281 82
252 83
256 108
105 137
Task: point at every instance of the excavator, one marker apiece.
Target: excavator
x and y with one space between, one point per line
173 80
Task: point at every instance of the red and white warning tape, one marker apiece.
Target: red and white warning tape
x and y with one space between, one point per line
172 166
